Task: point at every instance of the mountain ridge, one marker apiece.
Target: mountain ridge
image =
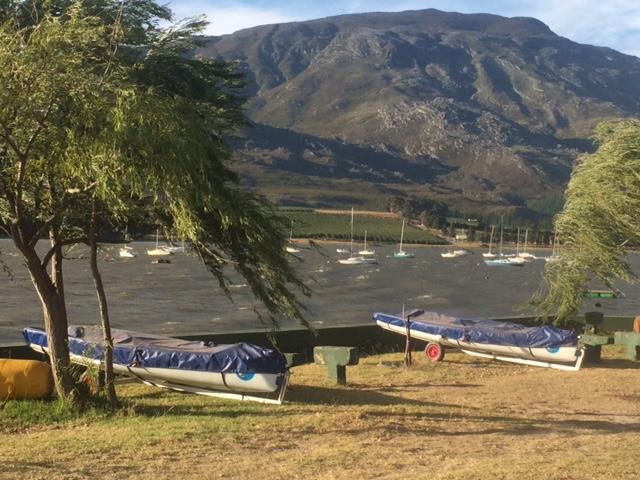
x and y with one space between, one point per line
494 109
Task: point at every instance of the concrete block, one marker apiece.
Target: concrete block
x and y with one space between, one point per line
336 360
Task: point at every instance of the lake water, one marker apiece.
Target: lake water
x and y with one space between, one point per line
182 297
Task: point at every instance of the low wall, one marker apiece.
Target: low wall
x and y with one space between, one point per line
367 337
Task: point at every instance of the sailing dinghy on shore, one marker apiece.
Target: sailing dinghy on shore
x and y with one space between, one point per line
543 346
227 371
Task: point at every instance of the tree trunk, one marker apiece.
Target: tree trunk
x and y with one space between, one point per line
104 313
55 321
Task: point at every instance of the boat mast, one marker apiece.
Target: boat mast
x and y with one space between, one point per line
501 233
491 237
518 244
526 235
365 239
291 233
401 235
351 243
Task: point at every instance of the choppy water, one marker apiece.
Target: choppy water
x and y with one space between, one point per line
182 297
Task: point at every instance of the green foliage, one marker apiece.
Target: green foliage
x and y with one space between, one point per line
100 104
549 205
599 218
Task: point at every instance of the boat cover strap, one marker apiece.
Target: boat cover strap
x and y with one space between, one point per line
482 331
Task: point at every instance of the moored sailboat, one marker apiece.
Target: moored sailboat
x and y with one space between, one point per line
290 248
490 254
365 252
127 252
401 253
352 260
503 261
158 251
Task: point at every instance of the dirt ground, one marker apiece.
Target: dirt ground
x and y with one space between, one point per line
464 418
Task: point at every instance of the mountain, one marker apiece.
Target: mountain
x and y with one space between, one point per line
479 111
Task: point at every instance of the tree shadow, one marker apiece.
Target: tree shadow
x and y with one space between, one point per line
353 395
506 425
617 363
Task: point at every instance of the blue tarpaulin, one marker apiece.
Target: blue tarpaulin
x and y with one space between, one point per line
490 332
154 351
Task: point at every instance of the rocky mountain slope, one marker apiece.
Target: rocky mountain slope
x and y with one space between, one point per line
479 111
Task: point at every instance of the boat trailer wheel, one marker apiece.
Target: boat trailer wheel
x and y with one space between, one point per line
434 352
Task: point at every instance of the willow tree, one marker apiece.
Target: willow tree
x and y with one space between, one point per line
109 110
600 219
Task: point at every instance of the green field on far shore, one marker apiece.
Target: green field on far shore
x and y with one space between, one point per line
309 223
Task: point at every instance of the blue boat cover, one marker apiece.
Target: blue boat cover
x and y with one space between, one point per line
154 351
482 331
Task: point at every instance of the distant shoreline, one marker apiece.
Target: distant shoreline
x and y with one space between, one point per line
330 241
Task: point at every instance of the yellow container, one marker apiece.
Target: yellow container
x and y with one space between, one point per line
25 379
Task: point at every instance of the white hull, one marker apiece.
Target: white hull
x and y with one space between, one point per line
403 254
367 253
229 382
454 254
554 355
127 252
158 252
489 255
342 250
292 250
174 249
353 261
504 262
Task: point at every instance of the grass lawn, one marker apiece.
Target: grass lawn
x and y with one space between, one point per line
464 418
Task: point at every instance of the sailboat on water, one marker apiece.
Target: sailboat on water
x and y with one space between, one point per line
401 253
352 260
365 252
289 248
524 255
503 261
175 248
554 251
158 251
127 252
490 254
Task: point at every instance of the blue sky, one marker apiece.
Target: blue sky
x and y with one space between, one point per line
611 23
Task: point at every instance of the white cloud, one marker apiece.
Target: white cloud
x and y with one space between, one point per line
611 23
228 17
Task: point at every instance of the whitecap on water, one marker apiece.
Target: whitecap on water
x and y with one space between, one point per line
426 295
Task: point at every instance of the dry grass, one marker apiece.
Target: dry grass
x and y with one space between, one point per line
463 418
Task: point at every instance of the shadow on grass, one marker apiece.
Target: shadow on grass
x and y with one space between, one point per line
314 395
617 363
504 424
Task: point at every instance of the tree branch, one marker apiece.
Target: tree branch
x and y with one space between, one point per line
70 241
66 198
40 127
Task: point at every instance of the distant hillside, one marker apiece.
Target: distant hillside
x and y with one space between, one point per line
478 111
